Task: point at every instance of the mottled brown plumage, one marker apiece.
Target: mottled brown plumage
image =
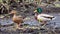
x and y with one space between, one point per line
15 18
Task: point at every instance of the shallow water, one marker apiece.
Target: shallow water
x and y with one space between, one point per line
32 22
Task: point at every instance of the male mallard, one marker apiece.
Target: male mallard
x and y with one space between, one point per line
43 18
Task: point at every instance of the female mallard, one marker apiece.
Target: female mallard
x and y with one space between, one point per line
15 18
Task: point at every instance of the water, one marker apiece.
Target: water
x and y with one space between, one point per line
6 21
32 21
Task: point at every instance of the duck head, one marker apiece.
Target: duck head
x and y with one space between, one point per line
13 12
37 11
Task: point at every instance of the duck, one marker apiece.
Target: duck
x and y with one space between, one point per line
16 19
42 18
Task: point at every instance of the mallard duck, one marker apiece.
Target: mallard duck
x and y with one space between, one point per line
15 18
43 18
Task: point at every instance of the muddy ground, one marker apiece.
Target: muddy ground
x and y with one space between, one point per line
33 26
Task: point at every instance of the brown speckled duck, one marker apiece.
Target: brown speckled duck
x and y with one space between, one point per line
15 18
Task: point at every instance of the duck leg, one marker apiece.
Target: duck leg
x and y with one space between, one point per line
20 26
44 23
16 26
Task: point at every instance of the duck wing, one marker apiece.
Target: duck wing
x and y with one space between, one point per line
43 18
46 16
